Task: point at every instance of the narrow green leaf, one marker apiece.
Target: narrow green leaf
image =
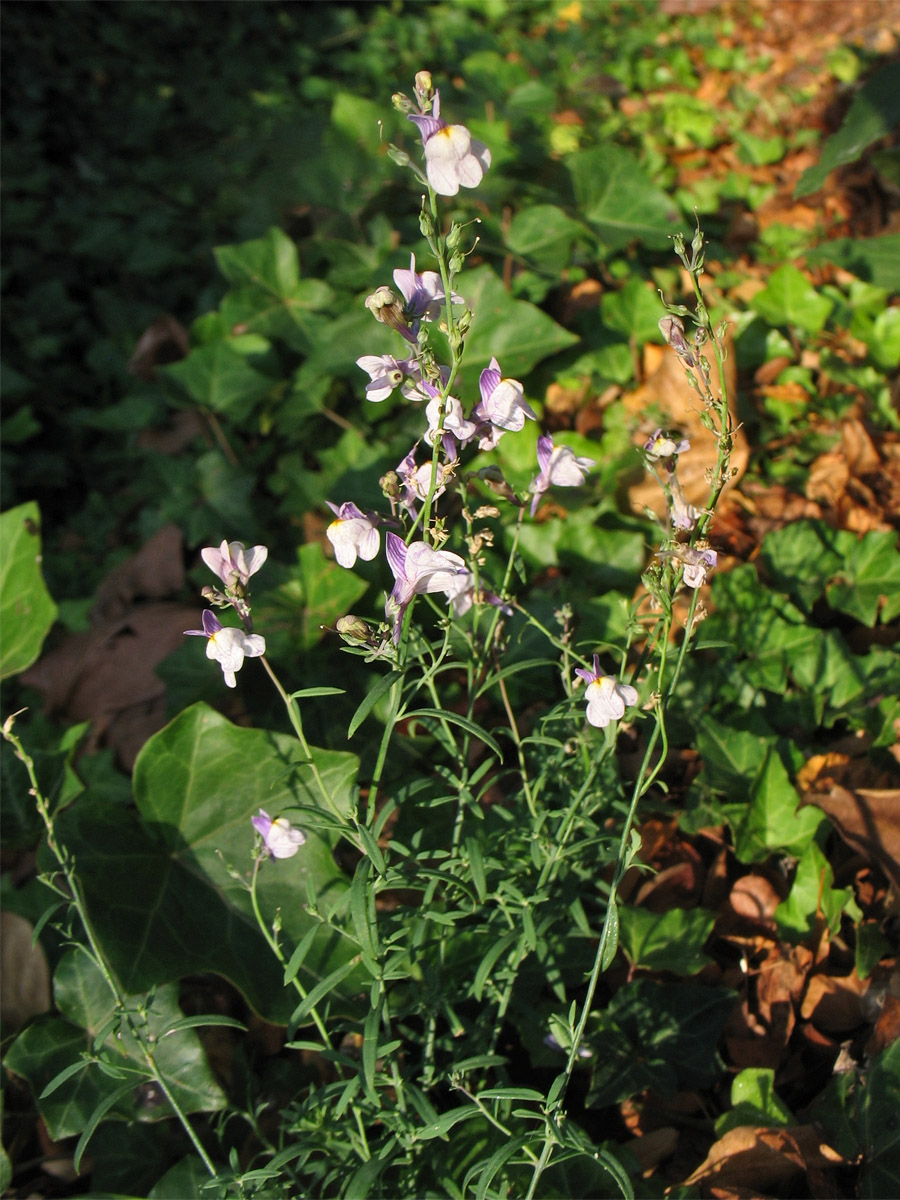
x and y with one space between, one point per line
370 700
95 1118
370 1045
439 714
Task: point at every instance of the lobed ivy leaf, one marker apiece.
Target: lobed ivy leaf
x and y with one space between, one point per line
158 882
790 299
667 941
619 198
517 333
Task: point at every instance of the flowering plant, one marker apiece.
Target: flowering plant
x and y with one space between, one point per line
426 878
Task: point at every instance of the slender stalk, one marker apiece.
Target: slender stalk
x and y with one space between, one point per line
76 899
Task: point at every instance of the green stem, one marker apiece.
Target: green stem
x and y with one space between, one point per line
77 901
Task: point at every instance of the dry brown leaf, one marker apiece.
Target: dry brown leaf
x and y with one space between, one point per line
24 974
753 898
107 675
668 395
868 819
165 340
752 1157
157 570
653 1147
835 1003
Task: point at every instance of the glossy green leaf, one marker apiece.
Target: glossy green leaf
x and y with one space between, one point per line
56 1044
875 259
26 608
774 820
657 1035
879 1128
516 333
267 296
812 892
868 579
544 234
219 378
620 200
790 299
665 941
754 1102
874 114
634 310
158 883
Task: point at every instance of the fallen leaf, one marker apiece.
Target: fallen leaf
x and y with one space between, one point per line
835 1004
754 1157
868 819
24 974
157 570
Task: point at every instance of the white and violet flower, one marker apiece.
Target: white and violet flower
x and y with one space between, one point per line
559 466
354 534
453 158
417 568
227 645
606 697
280 838
233 563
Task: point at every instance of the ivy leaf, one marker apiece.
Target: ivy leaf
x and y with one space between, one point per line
158 882
26 608
619 198
514 331
790 299
874 114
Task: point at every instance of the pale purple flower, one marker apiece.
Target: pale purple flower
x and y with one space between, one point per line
233 563
385 373
228 645
606 697
682 515
453 158
697 565
280 838
455 422
461 594
424 293
417 568
559 466
353 534
662 445
417 480
502 407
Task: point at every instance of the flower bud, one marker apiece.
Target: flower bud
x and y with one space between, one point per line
353 629
673 331
387 308
400 157
390 485
402 103
424 88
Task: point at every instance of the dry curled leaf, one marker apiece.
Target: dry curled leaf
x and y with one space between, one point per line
25 976
868 819
754 1157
